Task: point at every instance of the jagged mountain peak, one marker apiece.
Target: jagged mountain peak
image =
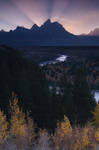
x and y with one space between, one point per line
50 33
2 30
51 25
47 26
20 28
94 32
35 27
48 21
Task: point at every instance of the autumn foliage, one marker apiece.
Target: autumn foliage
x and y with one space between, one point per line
77 138
19 133
3 127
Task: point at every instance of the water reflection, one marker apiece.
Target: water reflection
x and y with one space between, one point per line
62 58
96 95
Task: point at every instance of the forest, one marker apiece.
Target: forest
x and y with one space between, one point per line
34 117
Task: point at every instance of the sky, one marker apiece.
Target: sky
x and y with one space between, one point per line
76 16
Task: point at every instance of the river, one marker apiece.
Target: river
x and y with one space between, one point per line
96 95
61 58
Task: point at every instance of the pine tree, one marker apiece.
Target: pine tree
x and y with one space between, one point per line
83 100
67 101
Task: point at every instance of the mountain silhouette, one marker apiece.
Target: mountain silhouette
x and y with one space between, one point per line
48 34
47 23
35 27
20 29
94 32
2 30
54 30
48 30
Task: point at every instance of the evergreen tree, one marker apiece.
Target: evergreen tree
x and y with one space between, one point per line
83 101
55 108
28 81
66 96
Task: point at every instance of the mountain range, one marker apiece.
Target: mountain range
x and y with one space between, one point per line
48 34
94 32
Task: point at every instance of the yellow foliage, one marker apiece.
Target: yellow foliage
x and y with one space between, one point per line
96 116
97 135
63 130
3 127
77 139
22 126
74 139
22 131
18 124
85 137
66 127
